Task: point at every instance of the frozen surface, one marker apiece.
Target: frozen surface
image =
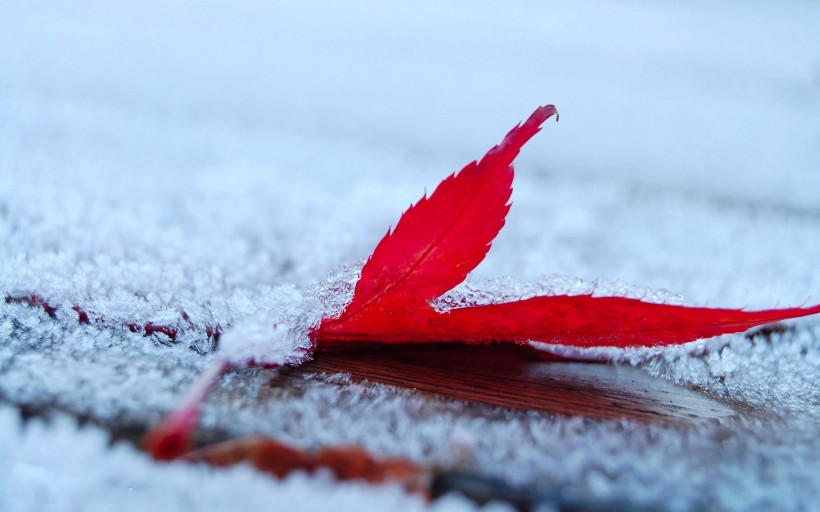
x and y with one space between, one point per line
91 475
228 165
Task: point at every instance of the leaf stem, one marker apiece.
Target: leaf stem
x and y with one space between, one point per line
173 437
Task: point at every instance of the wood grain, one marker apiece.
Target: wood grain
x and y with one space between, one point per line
505 376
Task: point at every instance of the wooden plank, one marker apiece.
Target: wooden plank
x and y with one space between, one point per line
503 376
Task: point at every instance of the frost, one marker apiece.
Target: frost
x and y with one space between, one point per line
336 291
279 333
58 466
508 289
275 335
776 371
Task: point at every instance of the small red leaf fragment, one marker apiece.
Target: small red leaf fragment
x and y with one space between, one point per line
278 459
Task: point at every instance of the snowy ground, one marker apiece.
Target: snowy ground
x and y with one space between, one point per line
224 158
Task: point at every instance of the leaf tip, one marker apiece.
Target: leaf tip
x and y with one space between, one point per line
518 136
543 113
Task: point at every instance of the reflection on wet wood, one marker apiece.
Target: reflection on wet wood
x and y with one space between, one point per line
505 377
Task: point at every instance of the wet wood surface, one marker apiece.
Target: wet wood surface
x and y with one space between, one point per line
506 377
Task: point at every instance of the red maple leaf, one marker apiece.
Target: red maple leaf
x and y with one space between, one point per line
440 239
436 243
